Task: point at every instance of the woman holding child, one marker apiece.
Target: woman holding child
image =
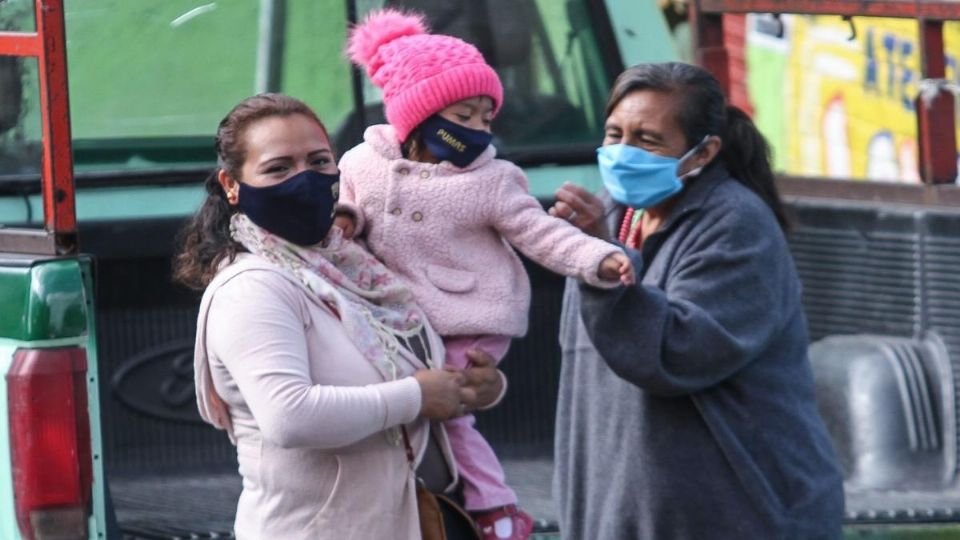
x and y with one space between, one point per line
310 354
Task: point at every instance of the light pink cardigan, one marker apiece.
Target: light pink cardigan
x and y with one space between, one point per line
307 412
448 232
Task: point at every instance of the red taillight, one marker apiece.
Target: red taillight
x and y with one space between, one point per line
50 442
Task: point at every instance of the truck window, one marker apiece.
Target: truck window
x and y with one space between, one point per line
19 127
149 81
548 58
17 16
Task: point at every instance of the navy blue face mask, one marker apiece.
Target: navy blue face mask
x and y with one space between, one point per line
449 141
300 209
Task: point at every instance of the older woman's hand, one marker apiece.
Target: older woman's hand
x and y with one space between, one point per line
582 209
483 377
444 393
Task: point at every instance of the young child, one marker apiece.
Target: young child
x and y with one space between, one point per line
433 203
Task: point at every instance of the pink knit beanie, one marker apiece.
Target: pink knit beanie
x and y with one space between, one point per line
420 73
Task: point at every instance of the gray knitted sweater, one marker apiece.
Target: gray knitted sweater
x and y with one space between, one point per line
686 406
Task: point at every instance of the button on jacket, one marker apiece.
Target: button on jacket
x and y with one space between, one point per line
446 231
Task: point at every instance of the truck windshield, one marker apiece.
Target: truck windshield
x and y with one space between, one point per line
548 58
149 81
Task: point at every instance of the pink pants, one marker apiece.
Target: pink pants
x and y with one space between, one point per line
484 485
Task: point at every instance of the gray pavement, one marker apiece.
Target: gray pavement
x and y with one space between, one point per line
181 506
532 479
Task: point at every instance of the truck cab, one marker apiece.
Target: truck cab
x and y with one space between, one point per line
99 432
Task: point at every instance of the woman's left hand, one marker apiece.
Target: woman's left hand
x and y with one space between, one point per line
483 377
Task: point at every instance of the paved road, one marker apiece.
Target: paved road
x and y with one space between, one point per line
203 505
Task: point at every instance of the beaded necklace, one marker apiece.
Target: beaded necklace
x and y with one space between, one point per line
630 228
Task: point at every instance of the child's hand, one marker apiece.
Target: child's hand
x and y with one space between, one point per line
617 266
346 223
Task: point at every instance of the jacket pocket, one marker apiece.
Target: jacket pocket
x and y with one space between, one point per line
337 487
744 466
451 279
368 499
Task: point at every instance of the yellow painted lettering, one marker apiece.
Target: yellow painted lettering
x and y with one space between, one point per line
451 140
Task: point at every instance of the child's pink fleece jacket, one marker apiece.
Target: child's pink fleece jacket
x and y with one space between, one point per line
446 230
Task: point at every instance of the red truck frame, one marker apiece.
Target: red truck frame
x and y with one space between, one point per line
48 45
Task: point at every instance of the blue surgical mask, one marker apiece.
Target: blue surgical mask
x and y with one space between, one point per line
300 209
449 141
638 178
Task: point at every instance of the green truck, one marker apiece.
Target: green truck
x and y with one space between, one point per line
99 433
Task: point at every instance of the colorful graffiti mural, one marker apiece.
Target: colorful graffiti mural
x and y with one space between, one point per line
838 100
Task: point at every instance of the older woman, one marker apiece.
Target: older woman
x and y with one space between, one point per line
309 353
686 406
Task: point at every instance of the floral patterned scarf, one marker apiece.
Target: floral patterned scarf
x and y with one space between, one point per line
375 307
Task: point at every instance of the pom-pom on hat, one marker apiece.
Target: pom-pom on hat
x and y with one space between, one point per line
420 73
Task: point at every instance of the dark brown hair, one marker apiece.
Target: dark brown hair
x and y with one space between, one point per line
702 111
205 240
414 148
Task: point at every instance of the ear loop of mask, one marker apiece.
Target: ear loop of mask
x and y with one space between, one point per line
693 151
